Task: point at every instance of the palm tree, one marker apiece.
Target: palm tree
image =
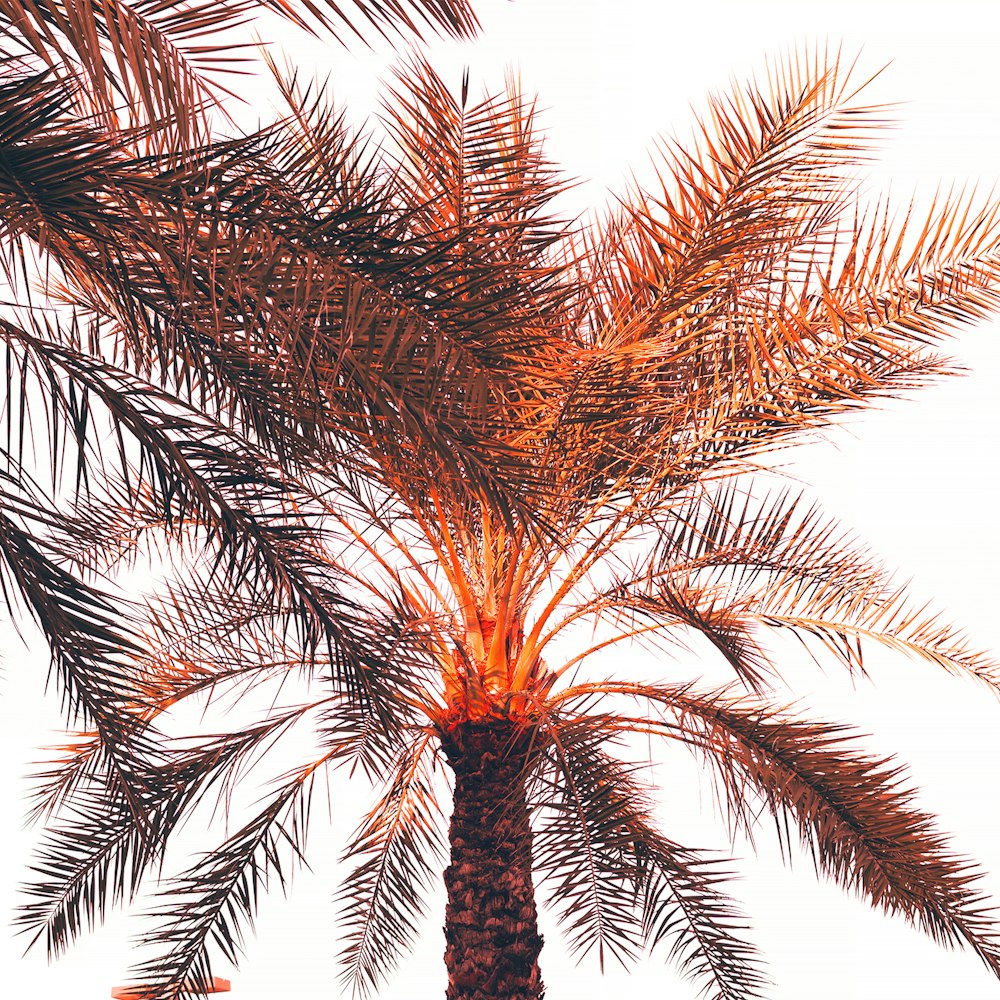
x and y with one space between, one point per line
393 433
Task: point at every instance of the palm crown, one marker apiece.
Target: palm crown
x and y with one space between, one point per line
401 430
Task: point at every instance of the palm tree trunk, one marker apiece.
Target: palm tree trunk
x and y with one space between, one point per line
491 926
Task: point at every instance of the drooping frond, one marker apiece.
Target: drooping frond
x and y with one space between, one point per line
683 906
615 880
91 636
91 862
97 854
399 847
219 893
215 900
581 845
852 811
248 510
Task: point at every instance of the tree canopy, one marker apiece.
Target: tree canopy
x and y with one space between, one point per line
389 426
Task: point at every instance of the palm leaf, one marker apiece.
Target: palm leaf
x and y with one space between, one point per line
580 847
98 854
153 56
90 635
771 165
732 565
399 847
853 814
216 899
616 880
750 301
209 477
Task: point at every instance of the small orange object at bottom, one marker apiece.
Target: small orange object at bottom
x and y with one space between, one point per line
217 985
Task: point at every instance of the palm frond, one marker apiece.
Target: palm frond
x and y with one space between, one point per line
852 811
771 165
54 164
91 637
152 56
479 186
304 316
683 905
88 865
615 879
732 565
215 900
763 303
400 847
96 856
207 476
126 57
312 325
580 844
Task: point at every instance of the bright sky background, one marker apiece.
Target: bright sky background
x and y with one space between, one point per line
917 481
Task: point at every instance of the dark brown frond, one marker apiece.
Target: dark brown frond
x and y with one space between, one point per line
852 811
396 852
615 880
91 636
215 900
97 855
247 509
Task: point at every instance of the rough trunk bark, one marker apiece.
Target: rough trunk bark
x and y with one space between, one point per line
491 925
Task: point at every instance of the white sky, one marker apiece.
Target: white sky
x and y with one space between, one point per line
916 480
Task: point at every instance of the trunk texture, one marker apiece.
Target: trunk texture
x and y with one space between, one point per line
491 926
